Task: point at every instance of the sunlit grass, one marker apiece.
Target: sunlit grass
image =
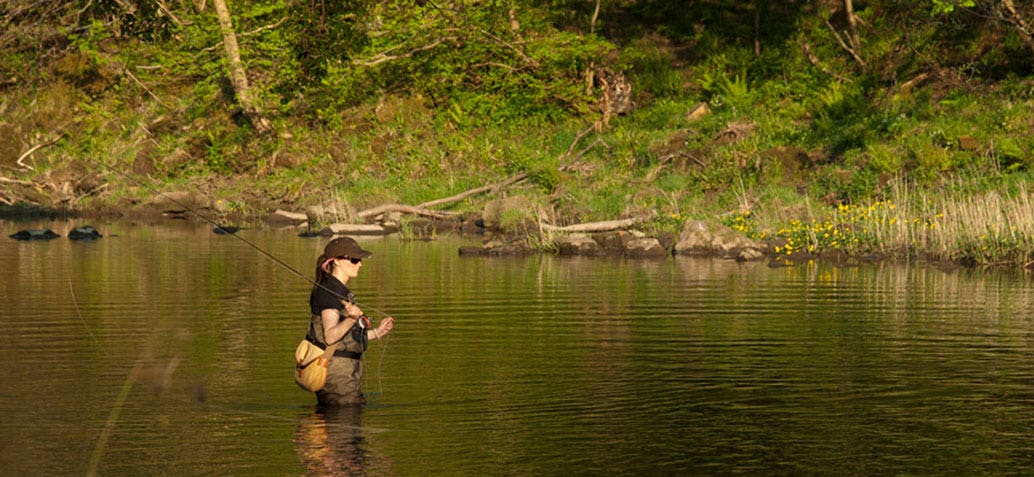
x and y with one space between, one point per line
988 229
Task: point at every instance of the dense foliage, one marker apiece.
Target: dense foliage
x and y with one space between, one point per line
826 101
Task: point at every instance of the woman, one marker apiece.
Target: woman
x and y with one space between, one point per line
338 321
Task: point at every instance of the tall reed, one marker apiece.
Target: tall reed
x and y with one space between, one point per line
985 228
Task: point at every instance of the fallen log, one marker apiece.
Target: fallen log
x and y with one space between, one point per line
488 188
408 209
356 229
605 226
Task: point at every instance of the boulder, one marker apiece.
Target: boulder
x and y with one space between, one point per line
177 201
495 210
577 244
84 233
497 248
34 234
645 247
283 218
614 242
699 238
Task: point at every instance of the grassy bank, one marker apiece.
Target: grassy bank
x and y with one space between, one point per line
920 145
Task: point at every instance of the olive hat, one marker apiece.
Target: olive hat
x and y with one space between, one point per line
345 247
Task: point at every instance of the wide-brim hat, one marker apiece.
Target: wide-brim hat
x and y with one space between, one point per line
345 247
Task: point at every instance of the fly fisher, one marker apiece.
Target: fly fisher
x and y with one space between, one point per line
337 321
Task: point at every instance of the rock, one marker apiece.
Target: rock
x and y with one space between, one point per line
176 202
283 218
645 247
613 242
34 234
968 143
226 230
577 244
495 210
497 248
315 213
698 111
749 254
84 233
697 238
316 233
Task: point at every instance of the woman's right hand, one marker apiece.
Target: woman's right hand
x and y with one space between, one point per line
352 311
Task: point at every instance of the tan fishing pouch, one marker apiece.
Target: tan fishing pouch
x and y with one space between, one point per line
310 371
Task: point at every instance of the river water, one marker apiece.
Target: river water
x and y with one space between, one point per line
168 350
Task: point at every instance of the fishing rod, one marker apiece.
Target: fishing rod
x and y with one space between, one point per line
233 233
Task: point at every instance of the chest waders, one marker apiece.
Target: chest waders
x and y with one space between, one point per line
345 373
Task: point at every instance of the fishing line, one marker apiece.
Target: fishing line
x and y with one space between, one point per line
248 242
79 313
274 259
350 298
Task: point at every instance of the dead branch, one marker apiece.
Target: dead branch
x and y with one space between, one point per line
162 7
33 149
250 33
384 57
527 59
408 209
488 188
844 45
605 226
574 143
141 84
6 180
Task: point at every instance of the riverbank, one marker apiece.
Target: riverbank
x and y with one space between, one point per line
956 227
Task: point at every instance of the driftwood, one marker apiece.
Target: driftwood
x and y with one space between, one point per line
356 229
408 209
605 226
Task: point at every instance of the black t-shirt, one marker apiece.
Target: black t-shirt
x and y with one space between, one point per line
321 299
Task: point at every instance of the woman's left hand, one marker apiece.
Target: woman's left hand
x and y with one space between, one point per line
386 325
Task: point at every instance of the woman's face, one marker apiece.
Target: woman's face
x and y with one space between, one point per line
350 266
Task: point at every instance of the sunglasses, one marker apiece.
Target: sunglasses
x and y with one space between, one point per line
355 261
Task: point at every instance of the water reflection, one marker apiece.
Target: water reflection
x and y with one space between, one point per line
330 442
527 366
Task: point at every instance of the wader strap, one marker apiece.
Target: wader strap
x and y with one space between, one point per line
337 352
348 354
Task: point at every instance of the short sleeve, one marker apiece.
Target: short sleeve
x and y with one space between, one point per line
322 299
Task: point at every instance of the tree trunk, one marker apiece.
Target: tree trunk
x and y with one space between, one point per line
237 76
852 24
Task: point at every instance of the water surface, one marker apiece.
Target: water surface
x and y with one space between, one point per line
168 349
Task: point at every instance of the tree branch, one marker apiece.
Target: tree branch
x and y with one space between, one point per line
845 46
384 57
134 78
475 191
33 149
250 33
